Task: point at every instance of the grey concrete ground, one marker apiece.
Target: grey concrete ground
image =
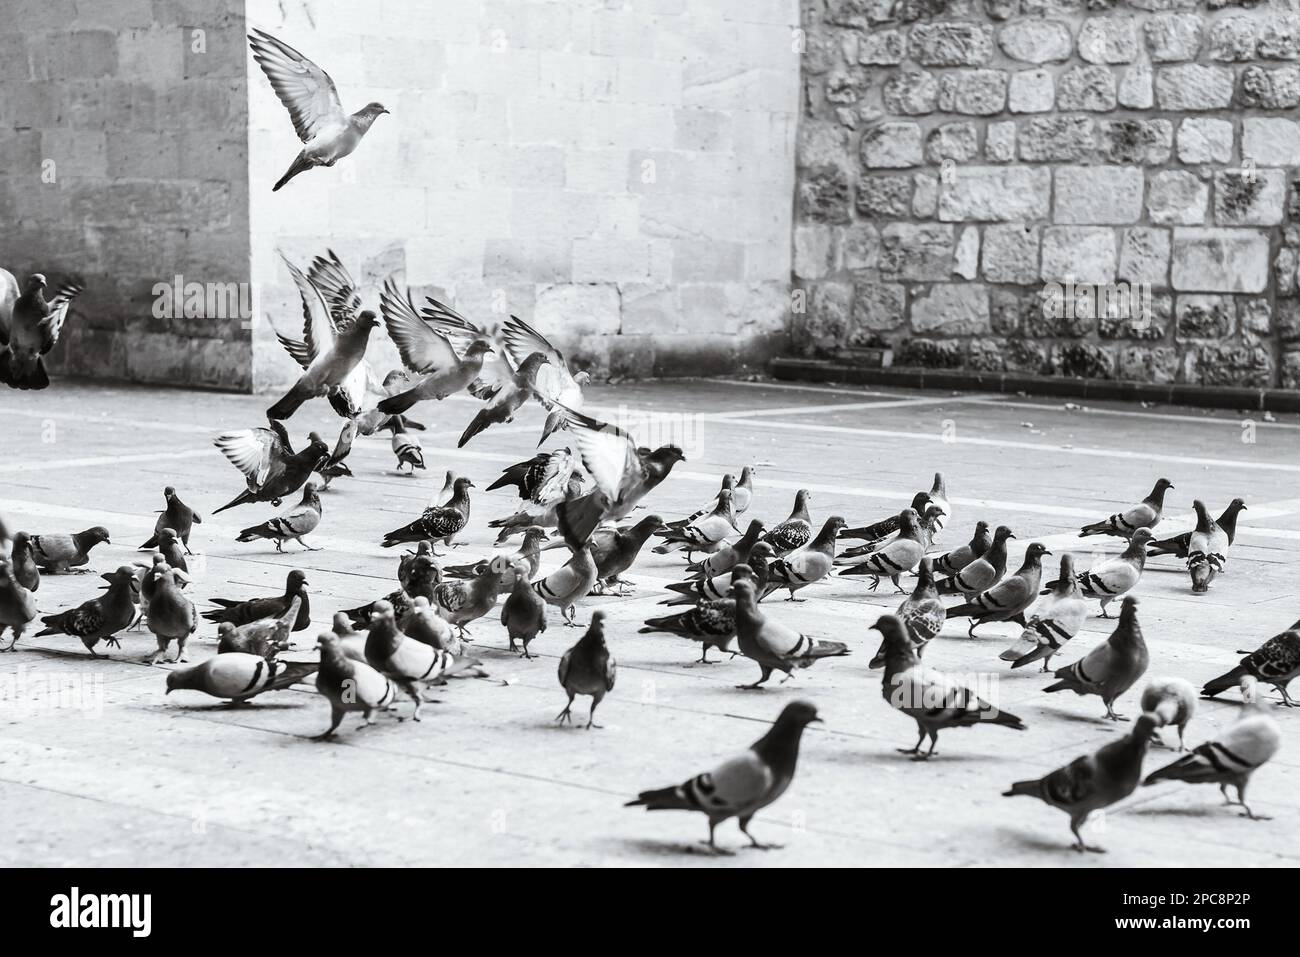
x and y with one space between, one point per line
137 778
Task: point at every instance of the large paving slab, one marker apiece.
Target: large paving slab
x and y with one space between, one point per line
115 773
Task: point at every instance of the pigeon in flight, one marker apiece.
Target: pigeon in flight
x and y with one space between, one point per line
307 92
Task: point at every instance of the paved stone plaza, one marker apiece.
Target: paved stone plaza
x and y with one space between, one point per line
137 778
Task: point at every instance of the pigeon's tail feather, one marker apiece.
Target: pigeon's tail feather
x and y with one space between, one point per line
477 425
53 625
300 165
554 422
1225 681
664 799
1187 768
1039 653
397 404
241 499
578 518
964 610
152 543
1028 788
288 405
23 374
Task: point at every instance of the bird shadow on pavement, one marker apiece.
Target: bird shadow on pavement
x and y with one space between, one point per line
676 849
1034 841
1094 720
1205 811
235 709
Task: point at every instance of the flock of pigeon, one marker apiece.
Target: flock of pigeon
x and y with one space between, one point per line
381 656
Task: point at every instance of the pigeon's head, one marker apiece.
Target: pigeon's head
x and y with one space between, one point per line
169 493
1036 550
728 481
932 512
1067 567
1141 537
374 108
123 575
834 524
1163 485
909 520
97 534
981 527
762 550
341 624
462 484
672 453
295 582
743 590
919 501
381 610
1145 725
1002 534
742 572
534 535
367 319
478 347
22 542
582 378
36 281
1237 505
1199 508
799 713
894 632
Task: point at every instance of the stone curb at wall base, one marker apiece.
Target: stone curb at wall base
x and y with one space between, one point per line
1214 397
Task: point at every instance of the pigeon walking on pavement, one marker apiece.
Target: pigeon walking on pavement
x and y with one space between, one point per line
712 622
950 563
706 534
17 606
294 525
588 668
523 613
1112 667
730 554
743 785
239 677
894 557
922 614
770 644
266 637
1178 545
350 685
1054 620
1008 599
1145 514
795 531
177 516
99 619
928 696
808 565
59 554
1113 578
171 616
1207 550
1275 662
1173 702
981 573
242 611
437 523
1093 781
22 562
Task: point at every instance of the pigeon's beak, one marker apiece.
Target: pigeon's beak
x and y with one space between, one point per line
1011 535
107 577
816 721
1047 551
168 691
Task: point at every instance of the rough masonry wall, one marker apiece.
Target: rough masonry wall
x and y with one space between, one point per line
123 161
957 155
618 173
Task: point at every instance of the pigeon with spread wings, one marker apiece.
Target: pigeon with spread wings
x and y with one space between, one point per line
270 466
554 383
426 343
333 348
33 330
622 473
328 134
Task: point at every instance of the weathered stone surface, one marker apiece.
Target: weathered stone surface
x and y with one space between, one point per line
1080 253
1036 41
1057 139
857 247
1249 197
882 47
1174 37
1177 196
1021 355
955 141
1000 142
1084 359
1270 89
1156 364
846 86
973 92
925 199
1269 141
824 195
1254 318
930 354
1291 370
1144 256
877 307
1139 142
1203 317
1205 140
1140 315
812 251
911 92
1012 310
951 44
824 324
1090 88
916 251
889 196
1280 38
822 144
966 256
1192 86
1108 40
1136 87
995 194
985 355
1232 39
1098 194
1011 253
1219 260
952 309
892 146
1031 91
1240 365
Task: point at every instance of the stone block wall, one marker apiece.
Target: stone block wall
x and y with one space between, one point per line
123 162
957 156
617 173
